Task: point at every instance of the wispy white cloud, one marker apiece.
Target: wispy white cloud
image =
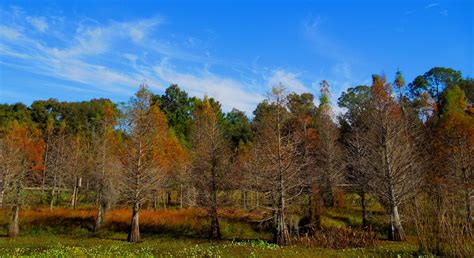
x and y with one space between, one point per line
288 80
229 92
77 59
39 23
9 32
431 5
116 57
321 42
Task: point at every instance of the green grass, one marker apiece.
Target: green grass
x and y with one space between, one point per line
70 235
162 246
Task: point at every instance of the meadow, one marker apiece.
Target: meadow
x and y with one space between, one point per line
174 232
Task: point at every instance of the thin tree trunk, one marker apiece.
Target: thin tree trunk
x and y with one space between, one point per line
246 199
181 196
314 213
53 198
168 199
43 183
134 234
1 192
415 220
256 200
101 213
163 199
467 197
242 199
155 200
215 232
73 197
13 227
53 192
363 204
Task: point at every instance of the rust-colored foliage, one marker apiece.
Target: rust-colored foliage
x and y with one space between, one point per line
28 143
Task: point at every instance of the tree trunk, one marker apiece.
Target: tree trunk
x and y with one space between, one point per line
169 201
1 198
1 192
243 197
53 198
101 213
13 227
155 200
215 232
43 183
281 235
363 204
134 234
396 232
181 196
314 213
163 199
467 197
257 200
328 195
75 192
73 197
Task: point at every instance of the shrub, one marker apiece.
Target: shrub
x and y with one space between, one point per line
338 238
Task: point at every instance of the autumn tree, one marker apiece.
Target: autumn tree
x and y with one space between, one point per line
209 159
302 114
456 135
392 159
145 127
56 161
329 153
356 101
280 161
104 142
21 150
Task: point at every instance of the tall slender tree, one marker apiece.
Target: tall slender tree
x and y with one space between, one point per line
210 155
392 157
281 160
145 128
329 153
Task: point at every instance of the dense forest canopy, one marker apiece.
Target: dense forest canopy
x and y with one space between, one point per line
409 146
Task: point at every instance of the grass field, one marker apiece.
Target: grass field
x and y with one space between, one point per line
66 232
162 246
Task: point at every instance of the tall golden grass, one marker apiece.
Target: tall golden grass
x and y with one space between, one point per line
186 222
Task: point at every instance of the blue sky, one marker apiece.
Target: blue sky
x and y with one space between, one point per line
231 50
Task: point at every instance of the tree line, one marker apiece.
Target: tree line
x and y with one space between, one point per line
409 146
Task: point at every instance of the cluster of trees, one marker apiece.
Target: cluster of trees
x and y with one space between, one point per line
409 146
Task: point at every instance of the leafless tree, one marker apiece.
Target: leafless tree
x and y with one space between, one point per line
329 162
105 164
210 155
392 160
280 162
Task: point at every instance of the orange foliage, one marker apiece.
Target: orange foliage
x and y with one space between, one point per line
28 143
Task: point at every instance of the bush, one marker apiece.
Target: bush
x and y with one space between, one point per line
338 238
